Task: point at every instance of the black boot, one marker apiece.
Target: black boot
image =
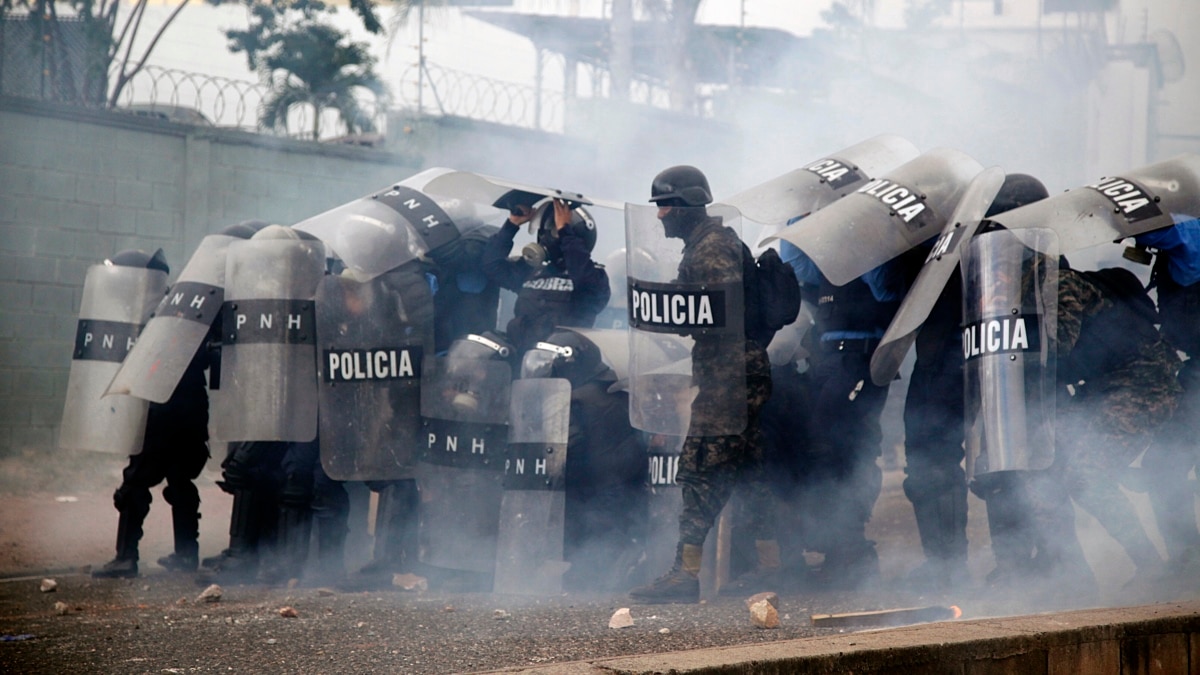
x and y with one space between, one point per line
287 558
239 562
331 550
395 541
942 525
129 533
185 524
395 547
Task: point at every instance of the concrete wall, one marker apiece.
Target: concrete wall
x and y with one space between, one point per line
76 186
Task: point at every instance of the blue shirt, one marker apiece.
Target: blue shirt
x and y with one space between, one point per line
1181 244
884 281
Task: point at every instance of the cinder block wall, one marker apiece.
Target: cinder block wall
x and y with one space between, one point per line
76 186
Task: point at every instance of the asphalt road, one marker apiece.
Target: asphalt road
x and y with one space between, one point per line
156 624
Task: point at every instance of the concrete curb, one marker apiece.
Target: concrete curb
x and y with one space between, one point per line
1162 638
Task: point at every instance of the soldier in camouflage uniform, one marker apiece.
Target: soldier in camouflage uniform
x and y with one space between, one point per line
1123 376
709 466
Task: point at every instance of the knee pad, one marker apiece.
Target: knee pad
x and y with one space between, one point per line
182 494
297 489
127 498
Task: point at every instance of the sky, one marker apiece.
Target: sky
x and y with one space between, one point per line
196 43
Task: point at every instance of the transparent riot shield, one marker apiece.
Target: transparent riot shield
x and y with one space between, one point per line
116 303
460 471
686 302
664 504
938 268
392 226
178 326
268 334
497 192
884 217
798 193
529 550
1010 300
369 367
1111 209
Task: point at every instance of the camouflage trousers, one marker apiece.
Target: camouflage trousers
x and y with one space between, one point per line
1098 437
710 467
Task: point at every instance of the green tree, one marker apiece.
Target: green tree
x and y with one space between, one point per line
269 18
314 65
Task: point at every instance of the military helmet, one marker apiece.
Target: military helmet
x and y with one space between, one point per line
681 185
138 258
1018 190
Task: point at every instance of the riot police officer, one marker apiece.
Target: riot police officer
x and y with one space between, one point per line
710 466
606 463
935 482
175 450
845 429
1175 451
557 283
465 300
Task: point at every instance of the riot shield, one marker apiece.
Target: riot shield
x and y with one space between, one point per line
1010 302
497 192
1111 209
798 193
116 303
664 504
529 549
369 368
686 304
884 217
390 227
178 326
937 270
460 471
268 334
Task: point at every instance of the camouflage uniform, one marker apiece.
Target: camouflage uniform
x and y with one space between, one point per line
1117 405
710 466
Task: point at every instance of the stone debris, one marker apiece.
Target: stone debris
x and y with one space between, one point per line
288 612
621 619
48 586
326 592
211 594
448 608
410 582
769 597
501 615
664 631
763 614
61 608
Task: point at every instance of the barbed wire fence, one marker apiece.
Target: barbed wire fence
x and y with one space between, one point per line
202 99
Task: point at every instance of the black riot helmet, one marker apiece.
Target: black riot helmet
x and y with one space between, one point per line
486 346
244 229
568 355
681 185
135 257
1018 190
581 226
